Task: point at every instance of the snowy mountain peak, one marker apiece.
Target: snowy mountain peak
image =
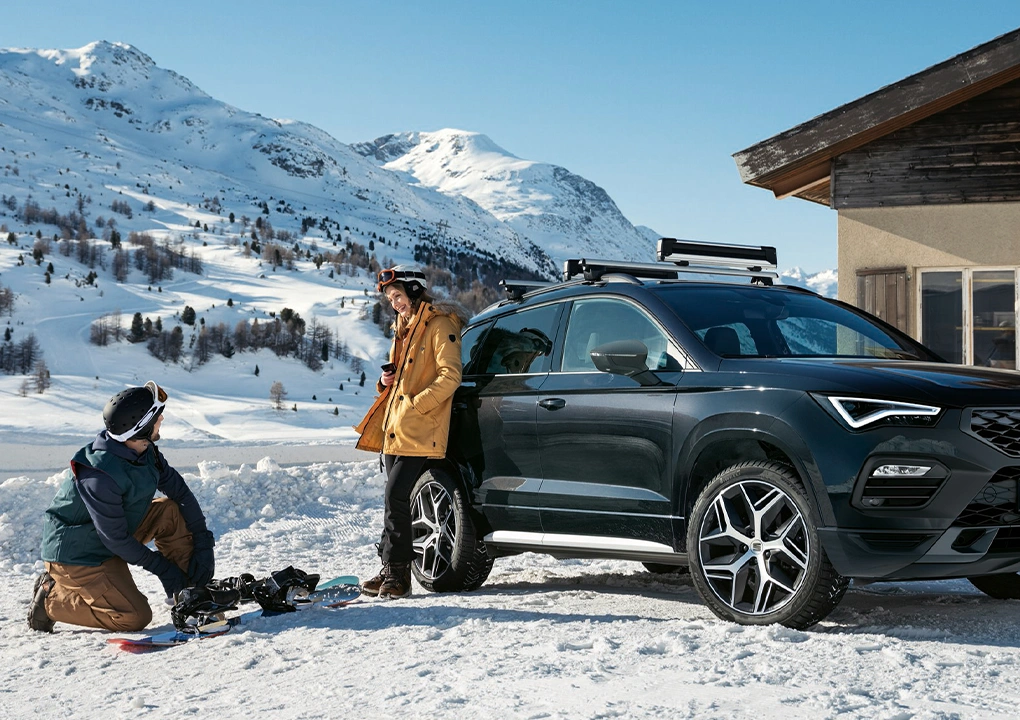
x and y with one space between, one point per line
448 142
563 213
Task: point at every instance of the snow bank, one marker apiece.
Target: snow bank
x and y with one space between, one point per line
231 499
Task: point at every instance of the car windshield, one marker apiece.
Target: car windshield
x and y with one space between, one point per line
736 321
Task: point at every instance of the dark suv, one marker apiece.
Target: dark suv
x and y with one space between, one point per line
776 442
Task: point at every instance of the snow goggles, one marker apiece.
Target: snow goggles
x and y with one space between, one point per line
159 397
388 277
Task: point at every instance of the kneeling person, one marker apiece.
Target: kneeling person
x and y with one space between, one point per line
105 513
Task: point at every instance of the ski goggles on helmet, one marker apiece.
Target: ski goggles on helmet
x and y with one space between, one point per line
159 398
388 277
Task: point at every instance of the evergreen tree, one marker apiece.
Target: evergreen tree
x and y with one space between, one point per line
188 316
256 371
137 333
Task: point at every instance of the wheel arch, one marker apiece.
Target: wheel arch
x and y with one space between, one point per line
465 477
713 449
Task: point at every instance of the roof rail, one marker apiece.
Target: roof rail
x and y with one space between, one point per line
515 289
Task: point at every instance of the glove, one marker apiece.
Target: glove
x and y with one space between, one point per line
203 564
170 575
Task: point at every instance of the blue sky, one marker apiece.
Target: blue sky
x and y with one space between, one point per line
647 99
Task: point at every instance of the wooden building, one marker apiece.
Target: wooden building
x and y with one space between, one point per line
924 175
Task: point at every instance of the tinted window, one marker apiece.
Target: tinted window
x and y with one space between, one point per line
471 345
519 343
762 322
599 321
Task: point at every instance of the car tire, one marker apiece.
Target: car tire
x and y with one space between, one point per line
663 569
754 549
449 555
1004 586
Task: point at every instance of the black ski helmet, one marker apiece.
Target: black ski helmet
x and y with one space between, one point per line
131 414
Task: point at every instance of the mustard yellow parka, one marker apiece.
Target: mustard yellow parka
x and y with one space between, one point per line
412 416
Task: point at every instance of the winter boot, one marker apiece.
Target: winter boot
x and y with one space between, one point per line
371 587
38 619
397 583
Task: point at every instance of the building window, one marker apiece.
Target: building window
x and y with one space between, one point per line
968 315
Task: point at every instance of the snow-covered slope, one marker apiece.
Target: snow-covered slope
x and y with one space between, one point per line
563 213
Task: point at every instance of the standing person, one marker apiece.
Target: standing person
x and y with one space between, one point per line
410 420
105 513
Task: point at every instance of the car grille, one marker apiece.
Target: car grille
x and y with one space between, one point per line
893 542
999 427
1007 540
900 492
995 504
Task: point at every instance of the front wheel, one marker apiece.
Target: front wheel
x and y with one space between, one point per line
449 555
754 550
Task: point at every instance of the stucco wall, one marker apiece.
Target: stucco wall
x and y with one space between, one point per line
973 235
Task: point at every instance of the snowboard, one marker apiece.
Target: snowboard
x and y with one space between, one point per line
331 594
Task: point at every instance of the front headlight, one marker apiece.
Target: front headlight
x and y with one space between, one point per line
858 412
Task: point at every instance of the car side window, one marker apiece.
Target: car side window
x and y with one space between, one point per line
599 321
519 343
471 345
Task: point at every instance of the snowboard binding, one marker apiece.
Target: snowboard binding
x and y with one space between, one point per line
277 593
199 606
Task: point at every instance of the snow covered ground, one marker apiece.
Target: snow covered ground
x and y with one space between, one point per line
540 639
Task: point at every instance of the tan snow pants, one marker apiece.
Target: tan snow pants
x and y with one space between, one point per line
105 596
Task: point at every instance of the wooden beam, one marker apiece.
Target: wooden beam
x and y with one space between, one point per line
806 179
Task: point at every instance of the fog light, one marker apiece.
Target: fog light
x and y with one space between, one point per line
872 502
900 471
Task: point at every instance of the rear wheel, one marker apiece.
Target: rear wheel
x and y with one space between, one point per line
1005 586
754 550
449 553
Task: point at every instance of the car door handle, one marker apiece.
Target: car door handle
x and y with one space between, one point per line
553 403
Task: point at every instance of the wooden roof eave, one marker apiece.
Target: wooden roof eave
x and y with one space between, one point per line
798 161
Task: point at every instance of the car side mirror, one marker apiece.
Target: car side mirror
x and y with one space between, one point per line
625 357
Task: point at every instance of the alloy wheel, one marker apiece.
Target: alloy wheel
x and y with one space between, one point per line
754 547
434 530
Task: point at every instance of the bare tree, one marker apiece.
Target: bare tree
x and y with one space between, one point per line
277 394
41 377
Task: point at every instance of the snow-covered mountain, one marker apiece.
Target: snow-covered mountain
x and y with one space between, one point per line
824 282
104 120
563 213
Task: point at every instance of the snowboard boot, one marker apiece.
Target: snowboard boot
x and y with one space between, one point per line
397 583
38 619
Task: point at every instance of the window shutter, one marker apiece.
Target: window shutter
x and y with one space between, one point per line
883 293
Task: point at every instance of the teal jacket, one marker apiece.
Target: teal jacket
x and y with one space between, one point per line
102 500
